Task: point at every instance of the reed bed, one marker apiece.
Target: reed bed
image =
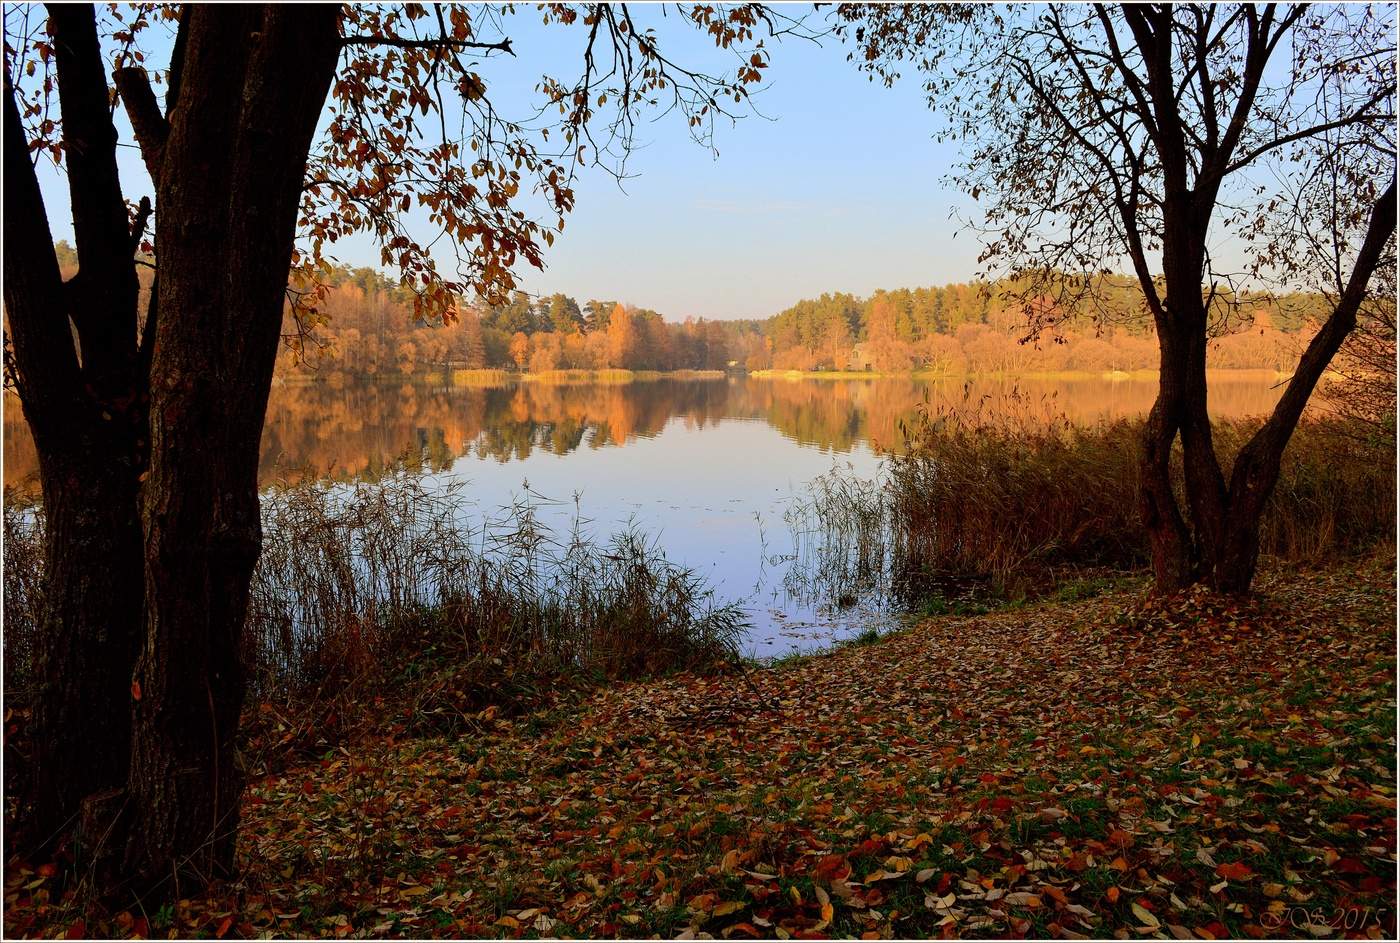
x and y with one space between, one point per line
1007 499
347 573
24 590
377 593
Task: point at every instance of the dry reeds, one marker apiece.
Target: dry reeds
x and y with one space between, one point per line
1005 498
377 592
349 575
24 592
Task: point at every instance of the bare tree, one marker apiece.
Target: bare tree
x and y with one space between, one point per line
1205 146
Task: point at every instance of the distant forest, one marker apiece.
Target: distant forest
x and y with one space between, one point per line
955 329
366 328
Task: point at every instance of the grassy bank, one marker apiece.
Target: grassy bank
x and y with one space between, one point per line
925 374
1193 769
494 377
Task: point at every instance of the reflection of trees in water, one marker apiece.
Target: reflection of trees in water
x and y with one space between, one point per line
358 431
840 414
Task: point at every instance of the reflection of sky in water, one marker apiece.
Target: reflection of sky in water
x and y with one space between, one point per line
712 499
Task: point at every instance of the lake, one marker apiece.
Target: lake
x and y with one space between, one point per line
708 467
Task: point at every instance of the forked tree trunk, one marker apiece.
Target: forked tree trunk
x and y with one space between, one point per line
1219 544
229 181
150 547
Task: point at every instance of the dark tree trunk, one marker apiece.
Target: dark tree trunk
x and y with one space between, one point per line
1169 539
230 171
1256 470
91 630
151 547
88 422
1220 545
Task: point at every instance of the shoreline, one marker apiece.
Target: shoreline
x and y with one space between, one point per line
494 377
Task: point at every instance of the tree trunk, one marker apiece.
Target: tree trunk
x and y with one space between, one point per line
88 422
1206 498
1173 564
81 730
253 83
1182 337
1257 467
1168 538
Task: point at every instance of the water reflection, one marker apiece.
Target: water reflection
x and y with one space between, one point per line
708 466
356 431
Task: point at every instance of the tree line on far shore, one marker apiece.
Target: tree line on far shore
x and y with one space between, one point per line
366 328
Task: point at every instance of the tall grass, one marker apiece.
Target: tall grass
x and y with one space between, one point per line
24 591
1008 498
349 573
1004 492
381 592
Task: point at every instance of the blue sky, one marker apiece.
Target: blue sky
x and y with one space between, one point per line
839 188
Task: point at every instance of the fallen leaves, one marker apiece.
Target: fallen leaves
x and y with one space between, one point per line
1047 771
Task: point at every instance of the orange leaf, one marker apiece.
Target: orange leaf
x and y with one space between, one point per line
1234 871
136 690
832 867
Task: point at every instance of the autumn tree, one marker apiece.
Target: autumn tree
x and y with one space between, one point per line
564 314
838 342
596 314
1204 146
270 133
520 349
470 348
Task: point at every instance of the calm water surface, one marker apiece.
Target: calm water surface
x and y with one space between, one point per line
707 467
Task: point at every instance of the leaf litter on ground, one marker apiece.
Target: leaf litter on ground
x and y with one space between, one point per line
1186 767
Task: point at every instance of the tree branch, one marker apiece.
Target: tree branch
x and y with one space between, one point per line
1256 57
106 281
1130 78
177 61
138 226
442 42
146 119
1358 115
46 364
1260 457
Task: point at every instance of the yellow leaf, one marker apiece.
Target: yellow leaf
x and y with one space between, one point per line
1145 915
